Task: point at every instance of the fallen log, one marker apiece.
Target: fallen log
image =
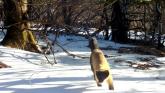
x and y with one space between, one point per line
3 65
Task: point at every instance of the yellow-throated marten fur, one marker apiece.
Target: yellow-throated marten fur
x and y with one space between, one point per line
99 65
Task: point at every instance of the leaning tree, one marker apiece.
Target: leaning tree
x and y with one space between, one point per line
16 22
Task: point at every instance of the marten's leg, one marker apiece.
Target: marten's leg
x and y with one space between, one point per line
98 83
96 79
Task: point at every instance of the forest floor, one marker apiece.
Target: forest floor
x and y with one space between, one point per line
133 72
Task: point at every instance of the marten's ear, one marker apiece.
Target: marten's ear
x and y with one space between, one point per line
92 40
93 43
89 42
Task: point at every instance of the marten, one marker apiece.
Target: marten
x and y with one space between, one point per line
99 65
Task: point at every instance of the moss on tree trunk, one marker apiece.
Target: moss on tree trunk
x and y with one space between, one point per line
18 35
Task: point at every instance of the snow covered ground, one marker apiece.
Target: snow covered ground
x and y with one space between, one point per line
30 72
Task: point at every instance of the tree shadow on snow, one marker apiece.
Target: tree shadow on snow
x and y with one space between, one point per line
45 85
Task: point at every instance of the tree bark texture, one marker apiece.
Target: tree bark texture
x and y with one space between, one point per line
18 35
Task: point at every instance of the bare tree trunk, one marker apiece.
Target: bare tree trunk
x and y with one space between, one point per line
119 24
158 16
106 22
18 35
66 11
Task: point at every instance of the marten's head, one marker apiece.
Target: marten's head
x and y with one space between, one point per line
93 43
